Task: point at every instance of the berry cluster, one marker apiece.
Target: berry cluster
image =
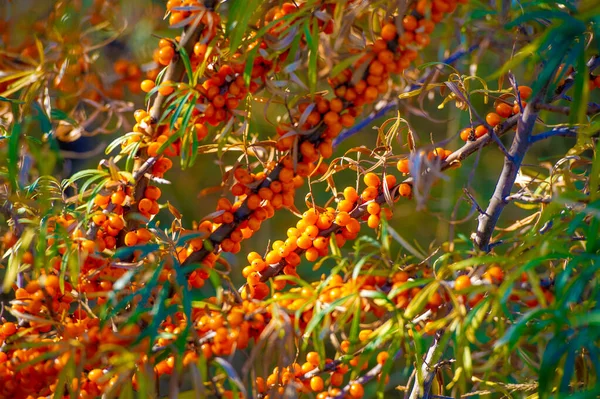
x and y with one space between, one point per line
504 109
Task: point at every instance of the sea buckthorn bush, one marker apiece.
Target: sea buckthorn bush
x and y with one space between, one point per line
299 199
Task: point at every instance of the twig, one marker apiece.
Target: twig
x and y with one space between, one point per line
363 379
559 131
473 201
394 103
426 371
566 110
365 122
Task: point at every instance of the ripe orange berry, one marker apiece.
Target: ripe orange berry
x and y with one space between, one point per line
131 239
316 384
313 358
152 193
350 194
382 357
388 32
118 197
145 205
525 92
504 110
462 282
143 235
165 88
337 379
405 190
372 180
493 119
356 390
409 23
373 208
147 85
480 131
494 275
95 374
116 222
373 221
311 254
8 329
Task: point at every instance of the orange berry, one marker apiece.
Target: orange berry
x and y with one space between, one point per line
504 110
311 254
350 194
480 131
373 208
152 192
494 275
356 390
405 190
147 85
145 205
8 329
462 282
493 119
525 92
465 134
316 384
388 32
131 239
373 221
372 180
382 357
95 374
313 358
409 23
116 222
118 197
165 88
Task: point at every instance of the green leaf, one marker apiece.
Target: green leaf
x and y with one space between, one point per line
343 64
516 331
13 153
250 65
312 40
553 353
240 13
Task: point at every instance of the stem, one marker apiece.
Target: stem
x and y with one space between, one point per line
394 103
512 164
426 371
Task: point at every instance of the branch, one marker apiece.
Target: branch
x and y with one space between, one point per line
175 71
394 103
361 210
592 109
559 131
363 379
427 372
512 164
365 122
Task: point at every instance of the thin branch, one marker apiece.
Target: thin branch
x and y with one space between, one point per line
559 131
394 103
363 379
592 109
427 372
